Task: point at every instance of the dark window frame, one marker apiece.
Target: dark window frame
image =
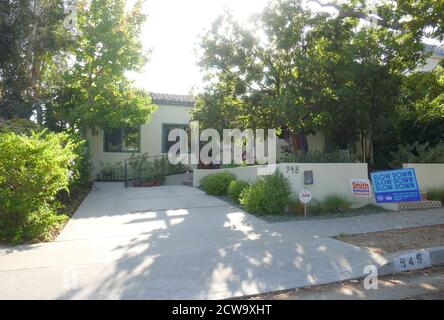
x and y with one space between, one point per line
164 138
121 137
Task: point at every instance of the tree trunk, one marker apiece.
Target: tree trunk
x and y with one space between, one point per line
294 142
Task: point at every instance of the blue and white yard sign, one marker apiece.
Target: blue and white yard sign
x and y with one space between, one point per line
395 186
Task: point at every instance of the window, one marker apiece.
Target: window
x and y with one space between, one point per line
166 128
122 140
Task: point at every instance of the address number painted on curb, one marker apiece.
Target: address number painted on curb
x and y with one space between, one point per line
412 261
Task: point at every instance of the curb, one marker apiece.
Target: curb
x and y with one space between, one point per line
430 257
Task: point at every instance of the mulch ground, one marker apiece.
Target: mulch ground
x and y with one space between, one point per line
400 239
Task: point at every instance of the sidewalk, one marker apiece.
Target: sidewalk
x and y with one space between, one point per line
175 242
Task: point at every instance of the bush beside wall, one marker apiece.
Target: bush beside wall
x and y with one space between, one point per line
329 205
33 169
268 195
235 189
436 194
217 184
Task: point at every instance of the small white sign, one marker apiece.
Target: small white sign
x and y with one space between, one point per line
361 188
305 196
413 260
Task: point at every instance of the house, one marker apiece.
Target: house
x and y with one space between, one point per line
113 147
117 145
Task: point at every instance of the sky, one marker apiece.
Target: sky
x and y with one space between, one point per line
172 33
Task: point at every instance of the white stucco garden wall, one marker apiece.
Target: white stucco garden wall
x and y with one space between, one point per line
429 175
329 178
150 136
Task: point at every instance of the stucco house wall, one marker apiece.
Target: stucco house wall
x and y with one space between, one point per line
328 178
150 136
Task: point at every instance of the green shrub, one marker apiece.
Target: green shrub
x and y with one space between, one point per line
234 165
295 206
33 169
316 156
149 168
172 169
335 204
111 171
417 153
81 168
217 183
235 188
268 195
331 204
315 207
436 194
82 164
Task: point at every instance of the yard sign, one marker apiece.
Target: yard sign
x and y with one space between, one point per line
395 186
361 188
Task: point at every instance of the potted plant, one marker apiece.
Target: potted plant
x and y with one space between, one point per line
137 183
159 179
148 183
148 179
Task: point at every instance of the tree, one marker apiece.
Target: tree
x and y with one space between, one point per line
254 82
31 34
420 111
95 92
304 71
425 15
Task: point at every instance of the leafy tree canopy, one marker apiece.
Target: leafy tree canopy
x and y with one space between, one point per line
297 70
95 91
31 33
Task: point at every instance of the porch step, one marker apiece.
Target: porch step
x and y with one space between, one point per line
188 183
423 204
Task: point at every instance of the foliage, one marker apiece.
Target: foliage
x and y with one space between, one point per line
418 153
82 165
94 91
436 194
217 183
234 165
420 110
31 36
419 116
149 168
20 126
235 189
268 195
146 167
111 171
33 169
296 70
319 157
155 169
427 16
295 205
178 168
329 205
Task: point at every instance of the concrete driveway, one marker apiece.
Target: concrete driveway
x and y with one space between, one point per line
175 242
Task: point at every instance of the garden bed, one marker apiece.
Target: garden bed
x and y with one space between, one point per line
366 210
400 239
